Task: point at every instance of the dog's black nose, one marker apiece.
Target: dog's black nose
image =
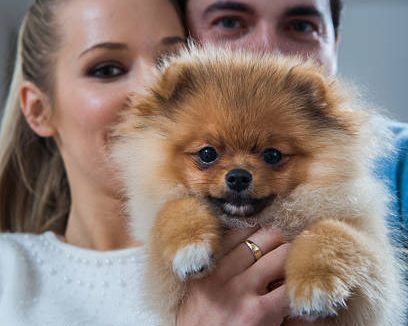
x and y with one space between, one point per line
238 179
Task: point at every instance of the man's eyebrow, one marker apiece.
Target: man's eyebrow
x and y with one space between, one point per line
304 11
172 40
106 45
228 5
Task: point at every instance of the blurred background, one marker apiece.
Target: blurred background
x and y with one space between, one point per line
373 52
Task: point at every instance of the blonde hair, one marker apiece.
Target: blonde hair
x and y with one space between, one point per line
34 190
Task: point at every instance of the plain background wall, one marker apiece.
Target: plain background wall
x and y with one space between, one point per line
4 42
373 51
10 16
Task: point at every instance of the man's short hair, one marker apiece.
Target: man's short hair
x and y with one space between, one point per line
336 7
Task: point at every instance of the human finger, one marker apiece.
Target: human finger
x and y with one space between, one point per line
234 237
241 257
268 271
276 304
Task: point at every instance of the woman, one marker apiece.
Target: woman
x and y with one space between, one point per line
77 61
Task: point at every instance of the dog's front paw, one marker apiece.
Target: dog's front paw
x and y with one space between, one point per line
318 296
194 260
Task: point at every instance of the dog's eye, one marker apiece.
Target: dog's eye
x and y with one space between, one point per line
208 155
272 156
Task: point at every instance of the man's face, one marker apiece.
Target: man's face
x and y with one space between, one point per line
287 26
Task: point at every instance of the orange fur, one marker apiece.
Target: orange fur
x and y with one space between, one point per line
185 221
321 193
180 222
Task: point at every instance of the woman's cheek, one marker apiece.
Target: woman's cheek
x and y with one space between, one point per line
101 110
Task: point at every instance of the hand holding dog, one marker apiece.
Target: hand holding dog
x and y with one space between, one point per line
237 291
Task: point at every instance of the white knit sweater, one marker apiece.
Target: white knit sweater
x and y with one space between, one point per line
44 281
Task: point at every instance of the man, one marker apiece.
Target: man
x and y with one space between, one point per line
309 28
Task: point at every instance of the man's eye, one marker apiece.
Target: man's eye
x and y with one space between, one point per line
106 71
303 26
229 22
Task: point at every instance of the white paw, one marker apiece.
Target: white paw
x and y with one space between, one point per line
313 302
193 260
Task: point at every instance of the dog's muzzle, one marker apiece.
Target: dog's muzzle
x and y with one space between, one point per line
240 206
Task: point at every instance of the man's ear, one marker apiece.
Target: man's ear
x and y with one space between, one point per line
37 109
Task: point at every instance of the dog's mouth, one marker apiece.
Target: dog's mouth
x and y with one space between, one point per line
241 206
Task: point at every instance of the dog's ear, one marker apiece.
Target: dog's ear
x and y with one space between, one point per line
321 98
309 85
315 93
174 83
169 87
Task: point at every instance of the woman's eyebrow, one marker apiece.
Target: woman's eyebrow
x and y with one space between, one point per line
106 45
172 40
227 5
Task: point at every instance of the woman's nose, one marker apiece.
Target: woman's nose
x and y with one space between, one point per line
143 74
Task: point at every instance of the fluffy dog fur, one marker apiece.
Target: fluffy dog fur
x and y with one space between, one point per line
341 268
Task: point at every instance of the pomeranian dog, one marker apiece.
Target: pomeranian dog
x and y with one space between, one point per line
227 139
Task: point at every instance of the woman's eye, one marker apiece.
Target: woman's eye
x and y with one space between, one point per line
106 71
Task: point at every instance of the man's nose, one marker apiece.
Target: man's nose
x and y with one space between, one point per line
265 38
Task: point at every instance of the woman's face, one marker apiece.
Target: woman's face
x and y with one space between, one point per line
108 50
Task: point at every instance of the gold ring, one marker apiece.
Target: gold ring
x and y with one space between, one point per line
256 251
